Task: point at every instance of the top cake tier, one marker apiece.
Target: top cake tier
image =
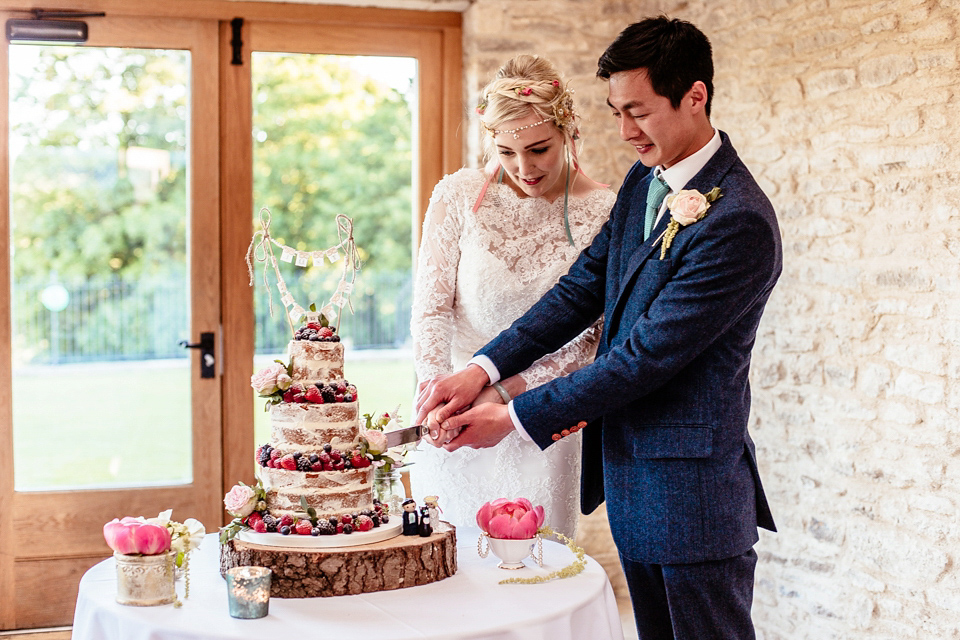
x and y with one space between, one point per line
315 361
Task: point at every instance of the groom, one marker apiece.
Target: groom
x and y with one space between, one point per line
667 400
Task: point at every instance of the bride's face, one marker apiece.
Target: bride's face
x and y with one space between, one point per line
534 160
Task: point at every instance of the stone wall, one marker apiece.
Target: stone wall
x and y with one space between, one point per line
846 111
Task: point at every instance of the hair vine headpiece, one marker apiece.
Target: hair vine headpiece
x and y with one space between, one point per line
516 136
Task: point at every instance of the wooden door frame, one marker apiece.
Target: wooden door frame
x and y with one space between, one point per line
49 538
441 96
439 53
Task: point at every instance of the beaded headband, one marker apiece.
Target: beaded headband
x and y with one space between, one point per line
516 136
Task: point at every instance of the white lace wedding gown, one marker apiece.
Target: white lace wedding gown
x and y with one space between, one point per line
476 274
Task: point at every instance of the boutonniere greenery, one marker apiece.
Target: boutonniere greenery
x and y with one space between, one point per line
686 207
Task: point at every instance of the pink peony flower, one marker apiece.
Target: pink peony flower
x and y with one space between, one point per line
131 536
267 381
240 501
510 520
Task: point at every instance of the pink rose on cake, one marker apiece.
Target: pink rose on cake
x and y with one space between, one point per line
510 519
376 441
240 501
272 379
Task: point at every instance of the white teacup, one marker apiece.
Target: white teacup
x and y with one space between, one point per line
510 552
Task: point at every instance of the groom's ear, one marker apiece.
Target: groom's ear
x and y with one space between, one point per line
696 97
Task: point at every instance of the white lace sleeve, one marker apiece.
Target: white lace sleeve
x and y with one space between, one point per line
575 354
435 286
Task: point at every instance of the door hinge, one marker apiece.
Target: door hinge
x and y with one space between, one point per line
237 43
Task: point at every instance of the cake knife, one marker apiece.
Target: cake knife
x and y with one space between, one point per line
406 435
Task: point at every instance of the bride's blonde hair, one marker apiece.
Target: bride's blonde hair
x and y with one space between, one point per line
525 84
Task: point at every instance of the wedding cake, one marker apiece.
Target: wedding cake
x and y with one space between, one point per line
312 517
315 457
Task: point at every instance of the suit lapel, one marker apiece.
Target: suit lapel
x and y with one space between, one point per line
706 179
643 252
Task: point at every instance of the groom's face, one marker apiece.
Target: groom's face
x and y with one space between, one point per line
661 134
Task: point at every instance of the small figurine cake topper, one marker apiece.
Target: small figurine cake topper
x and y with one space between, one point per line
425 529
411 521
435 511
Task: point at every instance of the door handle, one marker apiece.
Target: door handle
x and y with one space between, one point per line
207 359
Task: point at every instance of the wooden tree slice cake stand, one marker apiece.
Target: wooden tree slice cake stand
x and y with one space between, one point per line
403 561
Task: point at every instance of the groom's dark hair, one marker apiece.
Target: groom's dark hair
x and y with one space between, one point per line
674 53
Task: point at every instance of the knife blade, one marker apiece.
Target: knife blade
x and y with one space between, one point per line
406 435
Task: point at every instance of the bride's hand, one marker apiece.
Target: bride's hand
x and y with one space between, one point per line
435 435
488 394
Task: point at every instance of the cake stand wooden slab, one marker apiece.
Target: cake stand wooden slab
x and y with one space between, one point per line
403 561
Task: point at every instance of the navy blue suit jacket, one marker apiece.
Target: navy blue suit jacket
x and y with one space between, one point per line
667 399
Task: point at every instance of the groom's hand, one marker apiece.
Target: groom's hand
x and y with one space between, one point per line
485 425
455 391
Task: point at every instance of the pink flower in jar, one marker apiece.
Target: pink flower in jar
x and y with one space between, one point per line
131 536
510 519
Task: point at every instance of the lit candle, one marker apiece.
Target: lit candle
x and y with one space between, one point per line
248 591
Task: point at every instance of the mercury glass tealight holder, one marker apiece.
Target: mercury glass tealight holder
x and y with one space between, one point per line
248 591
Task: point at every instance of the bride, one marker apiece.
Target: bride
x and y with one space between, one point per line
491 247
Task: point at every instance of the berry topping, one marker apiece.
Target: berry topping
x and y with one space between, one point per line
364 523
304 527
288 462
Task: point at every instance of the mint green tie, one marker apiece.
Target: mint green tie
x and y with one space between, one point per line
655 194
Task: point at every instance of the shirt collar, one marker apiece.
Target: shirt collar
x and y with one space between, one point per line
681 173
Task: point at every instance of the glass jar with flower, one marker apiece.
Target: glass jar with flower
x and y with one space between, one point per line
387 481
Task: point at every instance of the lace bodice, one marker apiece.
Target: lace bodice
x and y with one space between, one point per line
476 274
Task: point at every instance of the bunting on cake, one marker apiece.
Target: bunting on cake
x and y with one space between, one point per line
261 249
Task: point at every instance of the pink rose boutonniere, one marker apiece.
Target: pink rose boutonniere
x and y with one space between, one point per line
686 207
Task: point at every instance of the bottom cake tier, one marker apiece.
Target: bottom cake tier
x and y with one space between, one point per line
403 561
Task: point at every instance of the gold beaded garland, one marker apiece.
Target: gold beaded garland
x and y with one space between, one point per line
569 571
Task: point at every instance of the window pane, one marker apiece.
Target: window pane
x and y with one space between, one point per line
332 135
99 219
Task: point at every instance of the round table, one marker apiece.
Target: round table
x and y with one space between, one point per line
470 604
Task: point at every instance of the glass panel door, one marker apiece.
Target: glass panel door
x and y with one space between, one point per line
111 243
99 161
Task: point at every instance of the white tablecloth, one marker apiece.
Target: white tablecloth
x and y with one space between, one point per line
470 604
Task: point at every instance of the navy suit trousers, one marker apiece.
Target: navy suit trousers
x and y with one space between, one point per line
698 601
